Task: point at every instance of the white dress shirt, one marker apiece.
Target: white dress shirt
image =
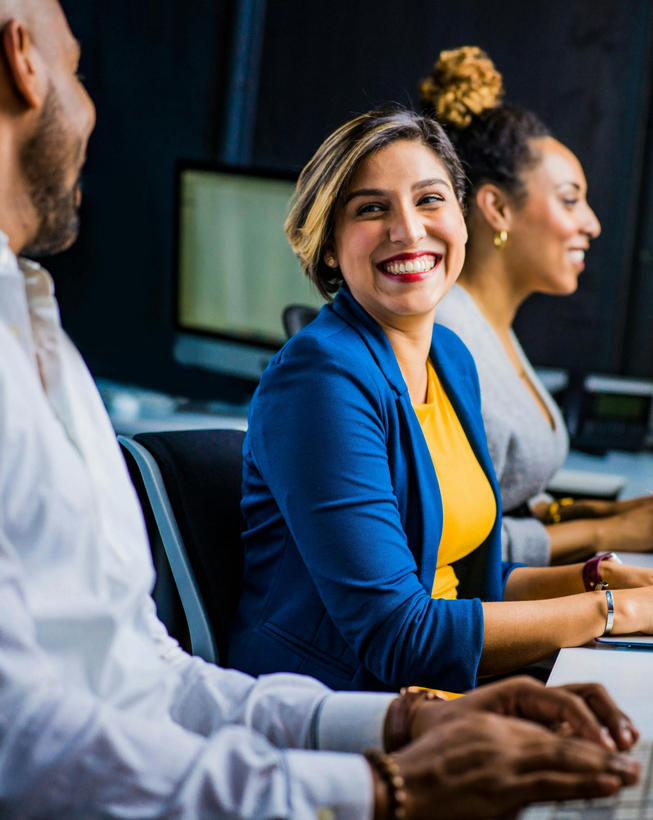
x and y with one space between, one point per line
101 713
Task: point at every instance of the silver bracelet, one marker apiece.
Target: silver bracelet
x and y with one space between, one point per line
609 621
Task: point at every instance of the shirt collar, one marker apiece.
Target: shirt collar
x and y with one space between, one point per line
30 311
41 284
8 261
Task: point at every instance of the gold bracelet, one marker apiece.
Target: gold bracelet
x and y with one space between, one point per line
401 713
553 515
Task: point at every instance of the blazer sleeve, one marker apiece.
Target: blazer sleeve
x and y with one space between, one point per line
318 437
506 568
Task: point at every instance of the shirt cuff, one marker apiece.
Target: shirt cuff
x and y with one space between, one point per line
329 786
352 721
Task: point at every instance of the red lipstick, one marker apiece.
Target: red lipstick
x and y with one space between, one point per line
390 267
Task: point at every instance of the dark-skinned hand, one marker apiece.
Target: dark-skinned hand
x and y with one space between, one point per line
476 765
582 709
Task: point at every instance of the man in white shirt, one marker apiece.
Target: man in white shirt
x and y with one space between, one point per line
101 713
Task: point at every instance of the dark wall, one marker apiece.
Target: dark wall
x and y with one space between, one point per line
580 64
638 350
157 70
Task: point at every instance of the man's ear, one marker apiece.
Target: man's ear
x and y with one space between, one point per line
24 65
495 206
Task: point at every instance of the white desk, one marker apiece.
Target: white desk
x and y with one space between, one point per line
136 410
142 423
637 559
627 674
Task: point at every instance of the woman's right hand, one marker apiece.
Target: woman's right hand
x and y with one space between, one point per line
630 531
633 610
485 765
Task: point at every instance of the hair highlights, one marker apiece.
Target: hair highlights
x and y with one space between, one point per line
324 181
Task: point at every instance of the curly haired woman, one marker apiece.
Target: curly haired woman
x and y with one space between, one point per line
529 228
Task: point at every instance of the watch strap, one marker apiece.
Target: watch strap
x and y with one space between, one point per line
591 572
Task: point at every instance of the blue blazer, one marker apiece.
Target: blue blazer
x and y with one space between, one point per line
344 516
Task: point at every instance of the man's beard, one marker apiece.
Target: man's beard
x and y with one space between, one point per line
45 161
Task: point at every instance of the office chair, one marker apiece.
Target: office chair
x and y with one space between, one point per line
192 483
296 317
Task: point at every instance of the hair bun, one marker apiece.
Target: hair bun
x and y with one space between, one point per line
463 84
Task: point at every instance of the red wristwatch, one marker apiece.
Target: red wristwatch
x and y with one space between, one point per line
591 574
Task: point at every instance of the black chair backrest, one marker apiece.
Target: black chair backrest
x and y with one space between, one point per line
296 317
202 471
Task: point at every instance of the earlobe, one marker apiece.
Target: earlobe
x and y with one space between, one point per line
492 202
330 257
24 65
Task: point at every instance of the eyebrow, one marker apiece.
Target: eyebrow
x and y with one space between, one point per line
435 181
569 182
425 183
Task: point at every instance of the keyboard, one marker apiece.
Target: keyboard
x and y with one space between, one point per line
631 803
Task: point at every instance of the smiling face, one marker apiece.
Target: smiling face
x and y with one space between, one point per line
399 239
550 233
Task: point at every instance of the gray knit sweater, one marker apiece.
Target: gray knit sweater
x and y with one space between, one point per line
524 449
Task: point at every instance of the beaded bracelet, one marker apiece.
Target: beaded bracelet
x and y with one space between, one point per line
389 772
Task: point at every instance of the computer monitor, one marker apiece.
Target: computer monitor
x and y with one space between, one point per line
235 271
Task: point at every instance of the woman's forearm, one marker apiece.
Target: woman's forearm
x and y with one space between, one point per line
522 632
573 540
540 583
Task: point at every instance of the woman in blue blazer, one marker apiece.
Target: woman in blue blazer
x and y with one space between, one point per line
341 498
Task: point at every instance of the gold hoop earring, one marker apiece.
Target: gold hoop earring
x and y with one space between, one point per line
500 238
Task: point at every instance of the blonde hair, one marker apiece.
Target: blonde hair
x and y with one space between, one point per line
463 84
324 181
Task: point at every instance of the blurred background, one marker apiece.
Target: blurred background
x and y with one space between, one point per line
259 83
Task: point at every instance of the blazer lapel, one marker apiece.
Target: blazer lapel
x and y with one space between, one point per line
372 334
423 534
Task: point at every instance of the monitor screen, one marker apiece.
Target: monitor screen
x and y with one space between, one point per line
236 270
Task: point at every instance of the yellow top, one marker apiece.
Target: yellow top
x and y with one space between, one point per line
468 505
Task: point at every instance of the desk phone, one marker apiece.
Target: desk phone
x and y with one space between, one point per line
607 413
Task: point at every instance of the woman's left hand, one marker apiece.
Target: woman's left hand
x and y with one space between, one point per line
625 576
585 708
593 508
